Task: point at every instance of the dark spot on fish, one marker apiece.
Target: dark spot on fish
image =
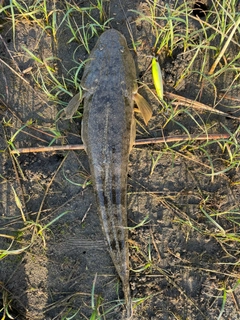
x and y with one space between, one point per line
113 245
114 197
121 244
105 199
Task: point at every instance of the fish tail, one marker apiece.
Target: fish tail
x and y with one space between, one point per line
128 301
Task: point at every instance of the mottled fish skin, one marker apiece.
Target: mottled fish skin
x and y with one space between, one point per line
108 132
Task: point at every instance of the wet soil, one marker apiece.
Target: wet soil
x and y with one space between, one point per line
177 262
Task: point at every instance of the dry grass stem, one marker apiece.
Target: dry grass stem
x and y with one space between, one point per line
138 142
180 100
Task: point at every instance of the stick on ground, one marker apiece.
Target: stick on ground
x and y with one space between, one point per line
137 143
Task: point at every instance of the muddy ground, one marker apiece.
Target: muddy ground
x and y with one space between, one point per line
53 278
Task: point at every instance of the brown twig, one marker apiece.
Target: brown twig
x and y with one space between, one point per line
166 139
180 100
137 143
49 149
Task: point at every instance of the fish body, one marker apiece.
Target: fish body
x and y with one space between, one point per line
108 133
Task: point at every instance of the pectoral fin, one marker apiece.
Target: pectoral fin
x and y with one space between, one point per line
72 106
143 107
